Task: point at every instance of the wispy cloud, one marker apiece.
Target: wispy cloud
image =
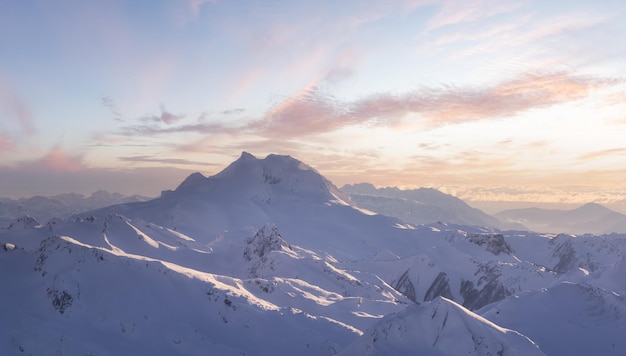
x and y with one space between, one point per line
162 123
14 107
455 12
152 130
165 116
153 159
232 111
620 151
312 111
196 6
7 143
308 112
109 104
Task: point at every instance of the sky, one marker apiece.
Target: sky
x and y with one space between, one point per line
485 99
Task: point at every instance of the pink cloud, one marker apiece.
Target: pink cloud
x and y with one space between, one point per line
454 12
165 116
17 109
163 160
619 152
196 6
59 160
311 111
6 143
244 83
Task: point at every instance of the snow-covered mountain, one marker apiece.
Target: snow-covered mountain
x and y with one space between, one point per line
590 218
441 327
566 318
269 257
421 206
75 299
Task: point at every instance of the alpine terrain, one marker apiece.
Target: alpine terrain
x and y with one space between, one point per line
268 257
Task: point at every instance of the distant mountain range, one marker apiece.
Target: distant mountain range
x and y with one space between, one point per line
59 206
422 206
413 206
590 218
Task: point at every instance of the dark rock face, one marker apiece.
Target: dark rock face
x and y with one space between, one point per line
494 243
267 239
439 287
61 300
570 256
475 297
567 257
405 286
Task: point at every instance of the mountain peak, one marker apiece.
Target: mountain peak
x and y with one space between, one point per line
272 177
192 180
24 222
246 156
593 207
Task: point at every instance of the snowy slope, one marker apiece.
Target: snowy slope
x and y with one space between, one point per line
470 267
440 327
566 319
75 299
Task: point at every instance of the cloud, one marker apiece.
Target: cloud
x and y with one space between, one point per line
455 12
151 130
343 67
312 111
621 151
528 91
109 104
225 147
196 6
58 160
232 111
16 108
6 143
308 112
152 124
165 117
578 194
153 159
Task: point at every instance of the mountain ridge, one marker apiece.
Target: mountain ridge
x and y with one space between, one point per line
421 206
590 218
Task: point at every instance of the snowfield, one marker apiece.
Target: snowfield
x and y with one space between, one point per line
270 258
